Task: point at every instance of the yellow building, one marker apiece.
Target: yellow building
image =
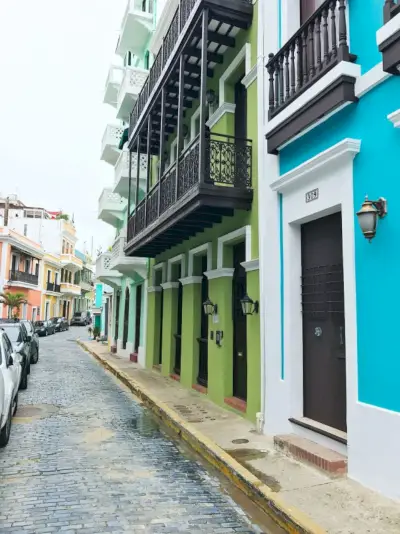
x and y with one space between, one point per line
51 287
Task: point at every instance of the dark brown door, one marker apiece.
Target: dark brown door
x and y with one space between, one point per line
324 356
239 324
126 319
240 110
106 319
161 327
117 315
307 8
202 377
178 335
138 316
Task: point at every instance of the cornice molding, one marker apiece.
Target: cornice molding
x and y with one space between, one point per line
250 77
395 118
252 265
154 289
346 148
226 107
223 272
170 285
191 280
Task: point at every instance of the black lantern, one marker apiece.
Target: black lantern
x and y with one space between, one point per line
209 307
210 97
248 305
368 216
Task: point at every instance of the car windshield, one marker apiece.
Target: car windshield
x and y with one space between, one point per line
39 323
13 333
78 314
55 320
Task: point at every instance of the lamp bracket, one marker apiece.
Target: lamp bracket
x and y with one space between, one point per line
381 206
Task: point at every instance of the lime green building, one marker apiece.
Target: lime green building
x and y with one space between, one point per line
192 203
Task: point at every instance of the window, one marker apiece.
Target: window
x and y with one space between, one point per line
46 313
27 265
147 60
48 276
25 229
14 263
24 311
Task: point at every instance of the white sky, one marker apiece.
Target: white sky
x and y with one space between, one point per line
54 60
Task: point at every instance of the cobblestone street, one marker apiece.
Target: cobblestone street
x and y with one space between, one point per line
85 457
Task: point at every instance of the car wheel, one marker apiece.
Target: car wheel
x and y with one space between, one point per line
24 381
15 404
36 359
46 333
5 432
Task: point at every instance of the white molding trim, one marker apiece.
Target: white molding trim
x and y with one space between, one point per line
347 147
177 259
244 54
163 267
250 77
163 23
207 248
154 289
252 265
225 272
343 68
388 29
191 280
370 80
231 238
395 118
226 107
170 285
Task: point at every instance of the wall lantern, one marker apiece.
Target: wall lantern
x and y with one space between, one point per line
210 308
368 216
248 305
210 97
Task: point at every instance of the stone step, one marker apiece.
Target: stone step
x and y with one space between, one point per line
312 453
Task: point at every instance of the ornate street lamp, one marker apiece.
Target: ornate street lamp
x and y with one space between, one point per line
368 216
210 308
249 307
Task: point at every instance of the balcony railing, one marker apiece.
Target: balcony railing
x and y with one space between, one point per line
319 45
390 9
55 288
27 278
228 164
178 22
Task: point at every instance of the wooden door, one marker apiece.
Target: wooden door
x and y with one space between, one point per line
202 377
117 315
324 355
239 324
126 319
138 316
178 335
161 327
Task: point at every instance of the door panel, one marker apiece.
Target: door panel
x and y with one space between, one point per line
239 324
126 319
138 316
161 327
202 377
324 357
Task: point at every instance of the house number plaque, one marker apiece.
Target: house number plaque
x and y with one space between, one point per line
312 195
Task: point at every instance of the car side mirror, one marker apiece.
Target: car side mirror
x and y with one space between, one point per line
10 361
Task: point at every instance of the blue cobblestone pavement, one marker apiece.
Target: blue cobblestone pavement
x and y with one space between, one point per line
85 457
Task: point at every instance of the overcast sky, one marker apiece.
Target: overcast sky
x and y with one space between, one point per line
54 59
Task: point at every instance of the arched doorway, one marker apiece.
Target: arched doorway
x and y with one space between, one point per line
126 319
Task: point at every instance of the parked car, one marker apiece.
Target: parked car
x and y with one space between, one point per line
34 340
21 343
44 328
61 324
80 319
10 377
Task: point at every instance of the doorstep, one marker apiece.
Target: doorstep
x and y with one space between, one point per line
310 452
299 497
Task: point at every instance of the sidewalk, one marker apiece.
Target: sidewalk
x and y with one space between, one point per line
298 497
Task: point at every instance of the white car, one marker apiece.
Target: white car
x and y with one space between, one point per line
10 377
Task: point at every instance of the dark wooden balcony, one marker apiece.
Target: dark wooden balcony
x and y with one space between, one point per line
26 278
187 201
390 47
184 37
318 46
55 288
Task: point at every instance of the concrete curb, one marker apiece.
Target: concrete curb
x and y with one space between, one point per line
287 517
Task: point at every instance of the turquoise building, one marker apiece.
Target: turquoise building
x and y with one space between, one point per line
329 256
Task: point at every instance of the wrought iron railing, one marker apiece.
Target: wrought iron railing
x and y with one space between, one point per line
178 22
51 286
391 8
27 278
313 50
228 164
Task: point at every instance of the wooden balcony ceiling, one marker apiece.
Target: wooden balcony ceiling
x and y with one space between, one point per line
227 18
